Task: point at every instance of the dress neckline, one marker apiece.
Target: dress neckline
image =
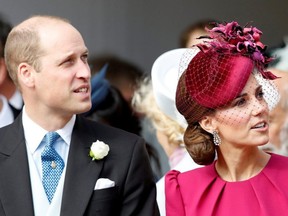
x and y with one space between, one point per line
246 180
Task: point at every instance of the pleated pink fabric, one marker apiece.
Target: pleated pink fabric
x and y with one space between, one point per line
202 192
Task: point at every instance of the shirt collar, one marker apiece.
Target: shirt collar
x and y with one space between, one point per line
34 133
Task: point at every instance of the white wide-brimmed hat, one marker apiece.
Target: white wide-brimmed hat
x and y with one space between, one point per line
165 75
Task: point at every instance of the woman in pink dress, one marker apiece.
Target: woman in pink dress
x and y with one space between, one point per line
225 95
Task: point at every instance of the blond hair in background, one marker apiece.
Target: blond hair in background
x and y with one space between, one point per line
144 102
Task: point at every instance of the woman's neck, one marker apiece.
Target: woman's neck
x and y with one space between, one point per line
240 166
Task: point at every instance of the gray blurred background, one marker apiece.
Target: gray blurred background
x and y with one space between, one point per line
141 30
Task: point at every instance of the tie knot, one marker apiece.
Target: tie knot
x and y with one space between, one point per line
51 137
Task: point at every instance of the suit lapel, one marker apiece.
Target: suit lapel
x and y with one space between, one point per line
81 173
16 193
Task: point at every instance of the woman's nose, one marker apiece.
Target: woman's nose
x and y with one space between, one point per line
259 106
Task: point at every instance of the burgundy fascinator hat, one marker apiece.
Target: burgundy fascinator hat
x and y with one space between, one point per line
220 70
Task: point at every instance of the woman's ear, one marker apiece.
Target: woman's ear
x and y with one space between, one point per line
208 124
25 72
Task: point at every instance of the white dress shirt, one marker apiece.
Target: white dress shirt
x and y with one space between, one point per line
33 137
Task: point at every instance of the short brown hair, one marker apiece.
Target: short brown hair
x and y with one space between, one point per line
23 44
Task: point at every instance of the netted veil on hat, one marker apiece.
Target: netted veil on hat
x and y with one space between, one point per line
220 70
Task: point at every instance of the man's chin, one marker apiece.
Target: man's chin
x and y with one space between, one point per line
83 109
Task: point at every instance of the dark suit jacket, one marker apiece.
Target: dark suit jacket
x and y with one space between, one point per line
127 164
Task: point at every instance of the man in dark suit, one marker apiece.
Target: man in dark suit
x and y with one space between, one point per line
47 59
7 87
10 97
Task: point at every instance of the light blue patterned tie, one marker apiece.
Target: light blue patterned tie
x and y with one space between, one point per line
52 165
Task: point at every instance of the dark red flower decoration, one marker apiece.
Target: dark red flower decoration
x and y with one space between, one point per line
232 38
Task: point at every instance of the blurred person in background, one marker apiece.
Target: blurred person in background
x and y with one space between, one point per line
108 104
7 87
111 108
121 74
280 55
8 90
6 113
190 35
278 117
156 99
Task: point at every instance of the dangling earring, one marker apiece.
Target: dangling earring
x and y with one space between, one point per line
216 138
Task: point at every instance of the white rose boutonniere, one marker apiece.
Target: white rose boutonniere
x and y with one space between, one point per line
98 150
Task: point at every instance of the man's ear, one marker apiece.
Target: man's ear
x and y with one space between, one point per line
3 71
26 74
208 124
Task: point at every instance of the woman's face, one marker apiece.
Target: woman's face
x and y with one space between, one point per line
245 120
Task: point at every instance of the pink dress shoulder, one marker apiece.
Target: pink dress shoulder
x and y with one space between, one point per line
202 192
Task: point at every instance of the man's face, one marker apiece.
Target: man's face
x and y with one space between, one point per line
63 83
